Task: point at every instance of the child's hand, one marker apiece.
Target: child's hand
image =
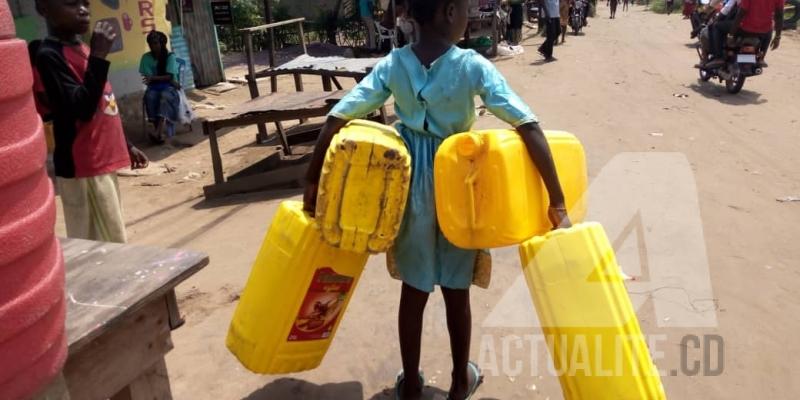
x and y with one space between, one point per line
138 158
558 217
146 80
310 198
102 39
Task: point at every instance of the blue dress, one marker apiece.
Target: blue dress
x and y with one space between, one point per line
432 104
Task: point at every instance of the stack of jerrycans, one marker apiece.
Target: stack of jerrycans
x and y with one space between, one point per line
489 194
307 268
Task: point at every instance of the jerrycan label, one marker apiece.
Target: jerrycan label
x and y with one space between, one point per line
322 305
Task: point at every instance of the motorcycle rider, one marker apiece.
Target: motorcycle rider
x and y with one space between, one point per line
755 18
720 25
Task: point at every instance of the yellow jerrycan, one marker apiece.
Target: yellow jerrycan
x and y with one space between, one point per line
589 323
363 187
489 193
297 293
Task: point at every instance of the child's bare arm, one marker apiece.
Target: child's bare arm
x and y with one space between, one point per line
539 150
331 127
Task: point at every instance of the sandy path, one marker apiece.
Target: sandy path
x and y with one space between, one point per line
613 87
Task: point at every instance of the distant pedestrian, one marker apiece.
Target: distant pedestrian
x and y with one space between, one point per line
614 4
366 9
514 34
670 4
625 5
553 28
564 17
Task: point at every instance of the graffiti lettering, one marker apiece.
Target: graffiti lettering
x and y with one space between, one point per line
148 16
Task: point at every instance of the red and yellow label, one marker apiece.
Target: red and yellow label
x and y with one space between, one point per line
322 306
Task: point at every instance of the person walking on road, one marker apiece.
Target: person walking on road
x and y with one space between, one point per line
670 4
614 4
625 5
564 17
552 27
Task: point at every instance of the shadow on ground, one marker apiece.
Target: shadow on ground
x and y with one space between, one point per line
716 91
295 389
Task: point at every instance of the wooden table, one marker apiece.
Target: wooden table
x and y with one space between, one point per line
273 107
120 310
328 68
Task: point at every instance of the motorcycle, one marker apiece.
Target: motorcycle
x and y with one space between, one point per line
577 16
532 9
741 62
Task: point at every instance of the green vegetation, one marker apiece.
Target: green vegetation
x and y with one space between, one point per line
660 6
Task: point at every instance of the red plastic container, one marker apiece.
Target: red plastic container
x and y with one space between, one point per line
32 306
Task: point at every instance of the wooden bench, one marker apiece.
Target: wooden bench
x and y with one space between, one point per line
121 308
273 107
328 68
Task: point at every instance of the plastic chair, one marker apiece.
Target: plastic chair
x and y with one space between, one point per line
182 65
385 34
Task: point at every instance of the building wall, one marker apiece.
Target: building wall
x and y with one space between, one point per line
201 36
134 19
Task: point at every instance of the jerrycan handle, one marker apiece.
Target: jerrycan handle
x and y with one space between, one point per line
374 125
470 146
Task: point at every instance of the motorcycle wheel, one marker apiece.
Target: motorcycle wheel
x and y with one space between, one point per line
705 76
735 83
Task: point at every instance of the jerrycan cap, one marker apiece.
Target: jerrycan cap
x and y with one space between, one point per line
469 145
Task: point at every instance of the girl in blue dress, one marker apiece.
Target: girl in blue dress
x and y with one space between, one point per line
434 84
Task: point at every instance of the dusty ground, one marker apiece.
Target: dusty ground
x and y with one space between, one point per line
620 89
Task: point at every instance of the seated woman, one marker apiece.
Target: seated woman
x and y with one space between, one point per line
159 69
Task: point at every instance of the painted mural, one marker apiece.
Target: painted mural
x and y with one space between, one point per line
134 19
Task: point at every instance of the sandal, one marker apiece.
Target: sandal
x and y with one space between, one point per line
398 383
477 381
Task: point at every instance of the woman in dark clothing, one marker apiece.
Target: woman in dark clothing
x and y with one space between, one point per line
515 22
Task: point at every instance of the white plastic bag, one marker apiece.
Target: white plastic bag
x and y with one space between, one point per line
185 113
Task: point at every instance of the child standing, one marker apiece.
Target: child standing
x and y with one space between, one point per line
434 84
90 145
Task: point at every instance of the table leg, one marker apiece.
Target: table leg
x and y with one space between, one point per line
216 158
153 384
384 115
263 134
287 149
326 83
336 83
175 319
298 85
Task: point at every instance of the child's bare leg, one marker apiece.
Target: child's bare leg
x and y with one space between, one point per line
412 306
459 325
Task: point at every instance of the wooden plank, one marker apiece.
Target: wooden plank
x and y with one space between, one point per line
266 180
106 282
278 103
306 71
114 359
216 157
153 384
262 28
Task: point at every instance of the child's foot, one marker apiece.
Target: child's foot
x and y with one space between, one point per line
408 389
464 389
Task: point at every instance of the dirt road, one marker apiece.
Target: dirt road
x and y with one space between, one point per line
628 91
